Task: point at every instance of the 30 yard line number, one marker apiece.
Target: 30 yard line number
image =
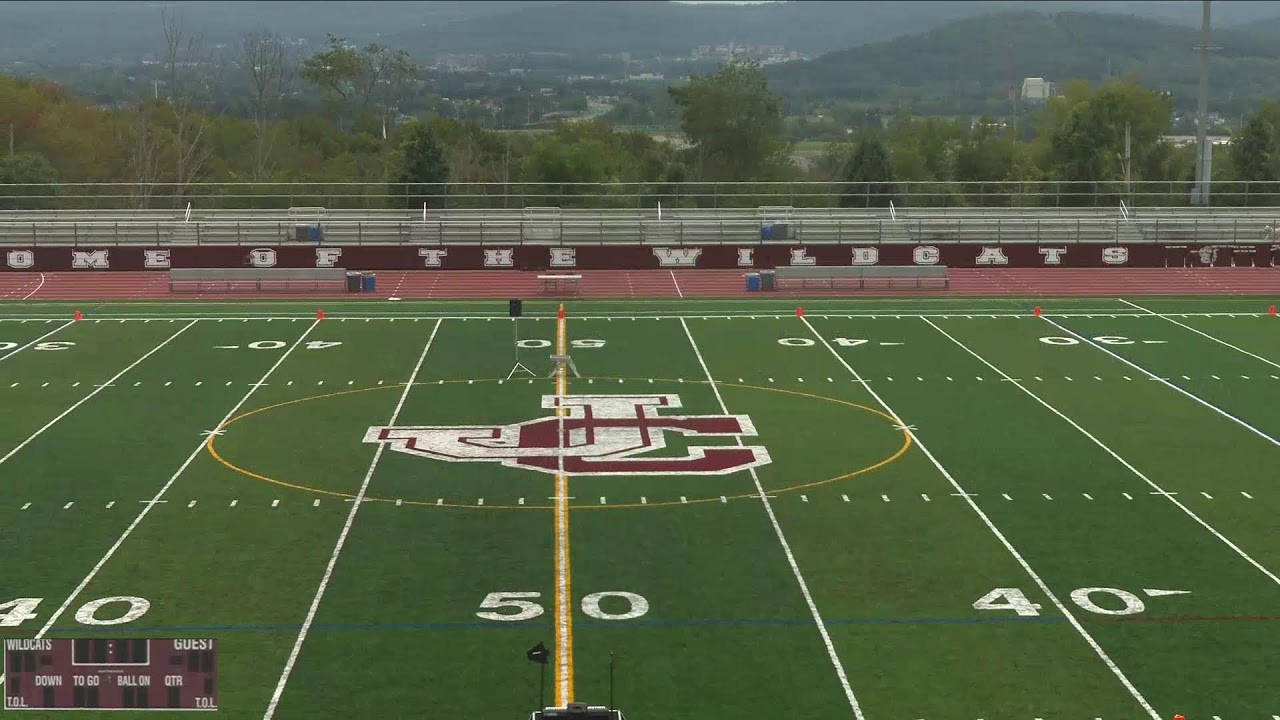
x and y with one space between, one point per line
46 346
519 606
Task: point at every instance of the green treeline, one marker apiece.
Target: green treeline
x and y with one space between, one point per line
163 151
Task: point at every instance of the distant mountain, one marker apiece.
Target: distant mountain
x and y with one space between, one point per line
971 60
76 31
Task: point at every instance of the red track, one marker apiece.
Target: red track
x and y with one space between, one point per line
441 284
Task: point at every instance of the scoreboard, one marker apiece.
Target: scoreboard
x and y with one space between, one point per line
110 674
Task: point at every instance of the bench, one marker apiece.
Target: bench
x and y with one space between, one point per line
865 277
256 279
561 283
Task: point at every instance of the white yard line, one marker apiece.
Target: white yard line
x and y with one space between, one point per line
96 390
1166 383
1201 333
1159 490
786 547
146 507
15 351
1035 577
342 537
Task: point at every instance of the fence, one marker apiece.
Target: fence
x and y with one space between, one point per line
1046 194
679 227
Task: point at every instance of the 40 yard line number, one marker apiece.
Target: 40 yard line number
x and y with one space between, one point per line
16 612
1012 599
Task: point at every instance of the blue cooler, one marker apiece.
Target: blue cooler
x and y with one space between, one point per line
368 282
753 282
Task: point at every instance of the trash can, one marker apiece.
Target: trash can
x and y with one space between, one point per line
766 232
753 282
368 282
353 282
768 280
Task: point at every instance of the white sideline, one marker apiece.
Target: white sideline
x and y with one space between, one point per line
1168 384
786 547
1044 588
342 538
1201 333
146 508
1159 490
96 390
15 351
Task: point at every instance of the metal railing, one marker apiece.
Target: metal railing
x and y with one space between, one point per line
1034 194
697 227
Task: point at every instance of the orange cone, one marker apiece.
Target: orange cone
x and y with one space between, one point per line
1271 310
1178 717
319 314
799 312
1036 311
80 316
560 312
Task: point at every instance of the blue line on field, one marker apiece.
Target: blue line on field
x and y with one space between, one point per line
490 625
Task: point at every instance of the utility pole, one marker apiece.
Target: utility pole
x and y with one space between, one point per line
1200 195
1128 163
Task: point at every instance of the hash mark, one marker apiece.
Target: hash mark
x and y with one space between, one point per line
199 383
1207 495
885 498
1046 496
1184 377
845 498
1127 496
315 503
804 498
1005 496
1246 494
950 380
890 379
349 382
520 501
724 499
1040 379
233 503
24 507
926 497
684 500
439 502
480 501
1095 377
602 502
399 502
1244 377
1068 378
14 385
135 384
275 503
1087 496
1166 494
644 500
76 384
113 502
68 505
47 384
1215 377
191 504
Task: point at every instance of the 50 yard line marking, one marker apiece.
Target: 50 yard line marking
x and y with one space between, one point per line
1026 567
786 547
146 508
563 593
342 537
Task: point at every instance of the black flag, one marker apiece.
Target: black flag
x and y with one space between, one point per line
539 654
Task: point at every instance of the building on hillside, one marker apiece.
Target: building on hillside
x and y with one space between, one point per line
1036 89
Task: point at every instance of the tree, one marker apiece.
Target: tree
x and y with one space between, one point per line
362 84
868 175
29 180
265 59
734 123
420 169
186 94
1255 152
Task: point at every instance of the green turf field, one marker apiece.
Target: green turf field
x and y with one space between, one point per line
957 510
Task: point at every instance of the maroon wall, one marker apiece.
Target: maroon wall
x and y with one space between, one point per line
626 257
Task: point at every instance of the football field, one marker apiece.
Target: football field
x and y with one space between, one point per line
897 509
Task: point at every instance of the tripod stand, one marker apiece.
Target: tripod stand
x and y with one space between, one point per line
519 366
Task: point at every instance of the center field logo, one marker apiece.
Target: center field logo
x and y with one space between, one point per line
601 435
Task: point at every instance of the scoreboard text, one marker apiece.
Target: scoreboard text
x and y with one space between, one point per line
110 674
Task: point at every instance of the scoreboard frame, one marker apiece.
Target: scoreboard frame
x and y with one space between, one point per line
105 674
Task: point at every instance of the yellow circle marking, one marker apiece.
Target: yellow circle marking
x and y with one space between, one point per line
906 445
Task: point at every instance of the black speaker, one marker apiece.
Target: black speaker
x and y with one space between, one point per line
516 307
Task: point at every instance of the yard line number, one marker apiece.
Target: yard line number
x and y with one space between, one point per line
1104 339
808 342
49 345
1121 602
518 606
581 343
279 344
16 612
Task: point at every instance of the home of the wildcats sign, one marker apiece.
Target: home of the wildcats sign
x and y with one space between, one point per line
598 435
85 258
